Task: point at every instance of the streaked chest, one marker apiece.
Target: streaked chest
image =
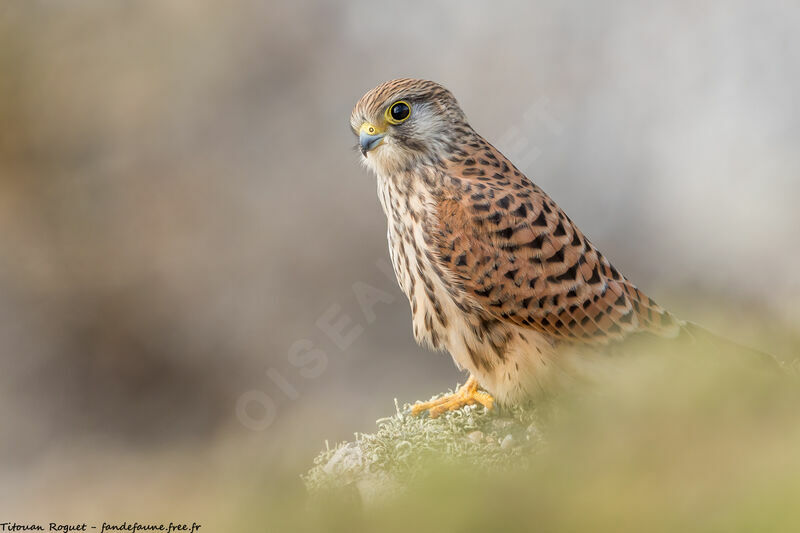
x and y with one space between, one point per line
408 208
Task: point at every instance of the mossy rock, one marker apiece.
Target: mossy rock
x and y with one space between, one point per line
404 446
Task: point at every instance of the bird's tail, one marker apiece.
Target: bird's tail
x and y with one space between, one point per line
701 337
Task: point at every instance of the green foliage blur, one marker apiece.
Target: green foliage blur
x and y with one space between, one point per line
666 444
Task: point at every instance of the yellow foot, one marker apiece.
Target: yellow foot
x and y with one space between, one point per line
468 394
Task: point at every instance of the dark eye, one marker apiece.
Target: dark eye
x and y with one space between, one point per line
398 112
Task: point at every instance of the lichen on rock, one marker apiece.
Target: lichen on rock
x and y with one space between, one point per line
376 465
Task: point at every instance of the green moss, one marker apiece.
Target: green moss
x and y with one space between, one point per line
664 444
404 446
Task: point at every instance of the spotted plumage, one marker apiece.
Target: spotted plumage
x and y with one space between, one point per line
495 272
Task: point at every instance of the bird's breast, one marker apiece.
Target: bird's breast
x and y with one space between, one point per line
408 214
502 356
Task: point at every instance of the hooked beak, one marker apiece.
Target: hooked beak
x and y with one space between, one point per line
370 137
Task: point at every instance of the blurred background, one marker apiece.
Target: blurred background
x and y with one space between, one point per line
183 216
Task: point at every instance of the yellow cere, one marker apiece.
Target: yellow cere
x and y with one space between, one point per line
371 129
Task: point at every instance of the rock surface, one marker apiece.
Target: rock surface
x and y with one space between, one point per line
379 464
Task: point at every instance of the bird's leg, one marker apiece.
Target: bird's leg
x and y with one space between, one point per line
467 394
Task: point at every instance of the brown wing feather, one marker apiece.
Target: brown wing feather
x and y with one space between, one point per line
524 261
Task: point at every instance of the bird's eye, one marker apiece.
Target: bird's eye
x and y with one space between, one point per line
398 112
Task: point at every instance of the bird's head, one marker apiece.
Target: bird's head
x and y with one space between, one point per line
405 122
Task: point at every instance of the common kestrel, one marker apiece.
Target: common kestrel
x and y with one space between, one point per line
495 272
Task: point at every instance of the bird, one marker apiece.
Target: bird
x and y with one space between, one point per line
494 270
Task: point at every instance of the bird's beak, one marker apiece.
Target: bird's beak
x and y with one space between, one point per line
370 137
